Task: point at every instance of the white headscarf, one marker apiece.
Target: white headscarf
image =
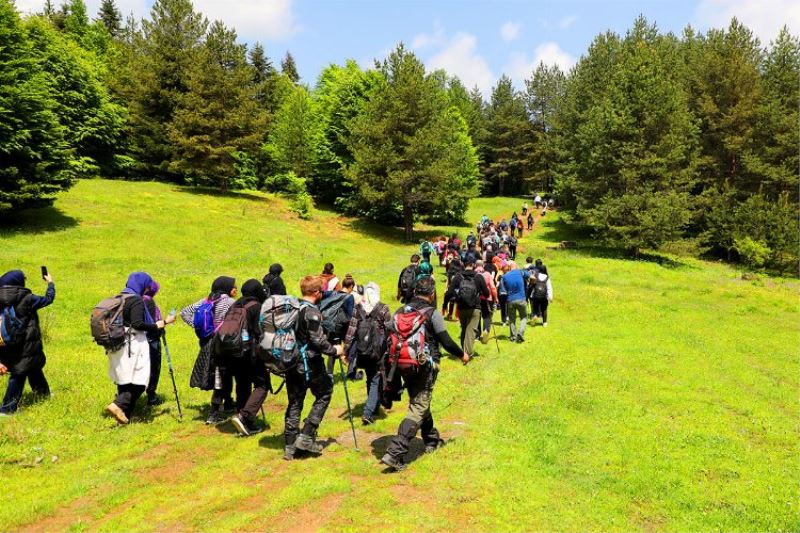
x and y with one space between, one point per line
372 296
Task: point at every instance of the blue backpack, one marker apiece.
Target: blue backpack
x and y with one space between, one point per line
12 328
203 319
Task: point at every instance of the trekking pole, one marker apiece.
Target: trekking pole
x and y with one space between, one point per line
171 373
349 409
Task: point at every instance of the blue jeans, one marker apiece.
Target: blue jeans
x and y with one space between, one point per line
16 384
373 391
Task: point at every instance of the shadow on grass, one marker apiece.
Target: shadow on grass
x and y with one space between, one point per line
35 221
397 235
416 448
208 191
558 230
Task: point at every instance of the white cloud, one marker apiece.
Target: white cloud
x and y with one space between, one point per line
566 22
258 19
550 53
509 31
459 57
137 7
254 19
764 17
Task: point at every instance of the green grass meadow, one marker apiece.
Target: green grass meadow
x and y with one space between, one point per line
662 396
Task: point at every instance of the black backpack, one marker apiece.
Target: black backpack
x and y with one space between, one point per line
540 287
468 294
407 279
334 317
371 334
230 341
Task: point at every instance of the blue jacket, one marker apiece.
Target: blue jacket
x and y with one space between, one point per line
514 283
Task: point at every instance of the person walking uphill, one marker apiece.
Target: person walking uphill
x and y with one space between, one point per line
249 368
467 288
514 283
408 276
418 371
23 355
366 339
129 365
205 316
310 335
541 292
273 283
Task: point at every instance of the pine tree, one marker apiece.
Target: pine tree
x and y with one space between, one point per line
410 148
76 22
34 152
111 17
296 137
289 68
156 77
509 141
264 78
218 116
544 93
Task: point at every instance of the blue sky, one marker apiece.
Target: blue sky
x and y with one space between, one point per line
477 40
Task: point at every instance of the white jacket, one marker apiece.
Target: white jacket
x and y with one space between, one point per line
131 363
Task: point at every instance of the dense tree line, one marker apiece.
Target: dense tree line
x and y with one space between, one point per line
651 138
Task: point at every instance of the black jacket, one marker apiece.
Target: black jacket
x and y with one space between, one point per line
310 333
274 284
468 275
30 355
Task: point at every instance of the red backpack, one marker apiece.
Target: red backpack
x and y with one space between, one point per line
408 347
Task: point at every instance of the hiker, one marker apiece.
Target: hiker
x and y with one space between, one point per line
467 288
311 336
519 229
514 282
542 292
487 303
472 240
484 220
205 316
512 247
249 368
329 280
512 225
448 300
349 287
273 283
537 201
530 221
502 294
366 341
418 377
425 250
129 366
22 355
337 309
503 226
154 341
405 283
525 209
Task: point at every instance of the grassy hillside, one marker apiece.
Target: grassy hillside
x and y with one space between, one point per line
662 396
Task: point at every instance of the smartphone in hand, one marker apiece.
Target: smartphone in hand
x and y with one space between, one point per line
44 272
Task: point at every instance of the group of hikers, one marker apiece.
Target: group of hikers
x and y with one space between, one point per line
251 334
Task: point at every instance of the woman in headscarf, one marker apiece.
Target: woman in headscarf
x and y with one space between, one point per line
249 369
366 341
23 361
273 283
206 374
129 366
154 340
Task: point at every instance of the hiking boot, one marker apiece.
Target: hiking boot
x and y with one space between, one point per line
433 446
395 464
215 417
153 401
118 414
288 453
307 444
485 337
254 427
367 420
520 339
240 423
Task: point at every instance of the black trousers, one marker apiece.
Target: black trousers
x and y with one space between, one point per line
127 395
16 384
321 386
260 379
540 308
238 371
155 367
418 417
503 302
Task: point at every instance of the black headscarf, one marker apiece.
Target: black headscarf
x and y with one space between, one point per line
276 269
252 288
14 278
222 285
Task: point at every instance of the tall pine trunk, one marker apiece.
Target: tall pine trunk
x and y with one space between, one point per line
408 221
